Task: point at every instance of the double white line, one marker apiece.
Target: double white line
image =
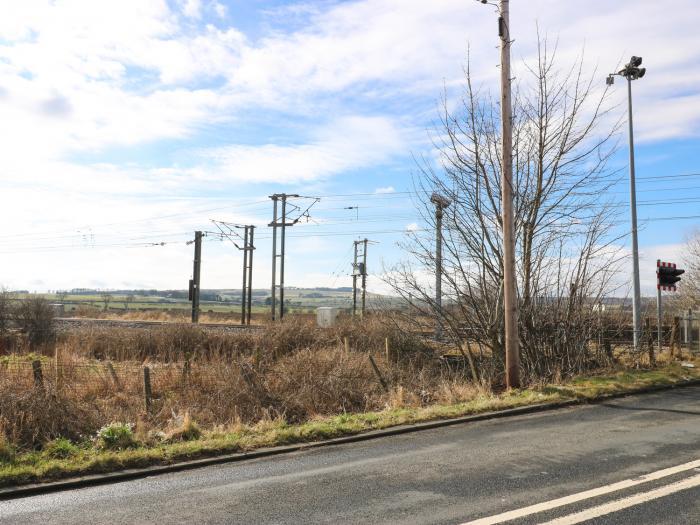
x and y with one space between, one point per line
606 508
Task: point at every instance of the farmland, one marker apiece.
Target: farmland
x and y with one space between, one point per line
224 304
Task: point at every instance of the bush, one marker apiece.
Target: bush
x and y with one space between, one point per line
35 317
32 417
60 448
116 436
6 299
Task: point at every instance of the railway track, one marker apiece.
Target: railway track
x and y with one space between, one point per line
79 322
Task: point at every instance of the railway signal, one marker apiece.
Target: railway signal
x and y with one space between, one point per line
667 275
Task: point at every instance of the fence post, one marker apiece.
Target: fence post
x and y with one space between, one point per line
387 350
56 368
608 349
113 374
147 388
675 332
346 344
650 342
470 360
38 375
379 374
185 372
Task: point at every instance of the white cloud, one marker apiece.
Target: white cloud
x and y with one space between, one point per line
192 8
84 76
219 9
387 189
346 144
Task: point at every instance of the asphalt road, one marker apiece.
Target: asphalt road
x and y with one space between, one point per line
452 475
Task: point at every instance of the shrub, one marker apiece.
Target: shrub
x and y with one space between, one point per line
116 436
6 299
35 317
60 448
32 417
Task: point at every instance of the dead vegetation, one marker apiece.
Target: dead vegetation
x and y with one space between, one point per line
292 370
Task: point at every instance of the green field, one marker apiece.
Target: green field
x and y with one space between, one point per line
297 300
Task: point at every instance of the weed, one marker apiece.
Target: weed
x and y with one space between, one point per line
60 448
7 451
183 428
115 436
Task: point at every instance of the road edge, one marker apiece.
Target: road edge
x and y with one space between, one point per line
130 474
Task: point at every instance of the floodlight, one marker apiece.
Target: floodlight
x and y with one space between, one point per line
610 80
635 61
642 72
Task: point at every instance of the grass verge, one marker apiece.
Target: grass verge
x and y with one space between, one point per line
63 460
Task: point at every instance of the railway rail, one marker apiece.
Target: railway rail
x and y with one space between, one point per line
78 322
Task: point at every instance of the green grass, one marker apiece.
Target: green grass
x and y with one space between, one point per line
61 459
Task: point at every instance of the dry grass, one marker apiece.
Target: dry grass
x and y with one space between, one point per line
206 381
61 459
292 371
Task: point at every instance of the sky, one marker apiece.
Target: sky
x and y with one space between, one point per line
127 125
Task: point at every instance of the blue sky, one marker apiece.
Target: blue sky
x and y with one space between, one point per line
135 122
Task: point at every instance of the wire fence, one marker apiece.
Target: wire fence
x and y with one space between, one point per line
214 393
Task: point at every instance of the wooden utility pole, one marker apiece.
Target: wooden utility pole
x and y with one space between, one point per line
196 271
510 288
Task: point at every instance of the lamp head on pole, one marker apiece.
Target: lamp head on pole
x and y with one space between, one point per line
631 71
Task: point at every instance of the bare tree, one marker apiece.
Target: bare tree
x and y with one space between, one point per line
61 295
6 309
690 285
35 317
566 256
106 299
128 300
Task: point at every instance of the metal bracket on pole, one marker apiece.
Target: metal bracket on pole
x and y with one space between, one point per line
229 231
359 269
280 221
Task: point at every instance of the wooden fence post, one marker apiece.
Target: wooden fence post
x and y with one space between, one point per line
379 374
675 333
346 344
147 388
113 375
56 368
470 360
185 372
650 342
608 349
38 375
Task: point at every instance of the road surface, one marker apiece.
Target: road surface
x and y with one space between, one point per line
629 461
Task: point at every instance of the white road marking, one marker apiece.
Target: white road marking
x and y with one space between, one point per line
636 499
580 496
